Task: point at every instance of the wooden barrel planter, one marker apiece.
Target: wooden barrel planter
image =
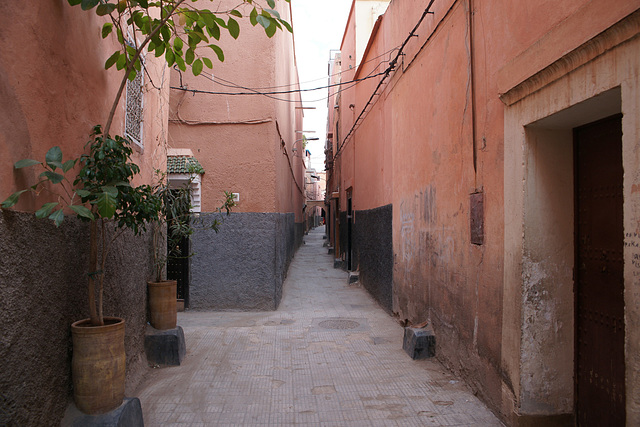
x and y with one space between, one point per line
163 304
98 365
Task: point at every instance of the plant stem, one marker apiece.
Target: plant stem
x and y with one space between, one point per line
101 281
93 266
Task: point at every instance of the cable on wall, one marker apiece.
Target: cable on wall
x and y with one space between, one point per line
386 75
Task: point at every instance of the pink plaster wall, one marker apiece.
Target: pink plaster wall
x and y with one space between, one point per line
55 89
237 139
415 149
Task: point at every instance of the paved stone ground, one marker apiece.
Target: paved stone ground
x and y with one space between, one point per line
293 367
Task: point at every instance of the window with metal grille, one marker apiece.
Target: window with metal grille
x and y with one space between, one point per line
133 116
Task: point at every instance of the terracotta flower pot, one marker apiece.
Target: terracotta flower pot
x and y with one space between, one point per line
162 304
98 365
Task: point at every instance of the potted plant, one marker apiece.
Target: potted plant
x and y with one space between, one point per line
175 223
102 194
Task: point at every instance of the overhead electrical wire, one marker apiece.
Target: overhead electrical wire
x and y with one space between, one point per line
323 78
386 73
258 92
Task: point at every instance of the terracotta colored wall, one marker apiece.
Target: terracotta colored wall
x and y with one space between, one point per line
54 89
237 139
246 146
416 149
289 198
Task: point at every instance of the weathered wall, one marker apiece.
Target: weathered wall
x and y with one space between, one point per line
373 243
43 285
443 117
245 145
244 265
587 85
54 90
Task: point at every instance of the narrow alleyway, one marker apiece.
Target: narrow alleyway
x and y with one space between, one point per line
328 357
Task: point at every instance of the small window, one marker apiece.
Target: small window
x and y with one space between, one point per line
134 103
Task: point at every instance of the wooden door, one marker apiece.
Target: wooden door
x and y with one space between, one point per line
600 365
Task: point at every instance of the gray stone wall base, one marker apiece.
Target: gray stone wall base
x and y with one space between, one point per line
419 343
165 347
242 267
43 290
373 253
129 414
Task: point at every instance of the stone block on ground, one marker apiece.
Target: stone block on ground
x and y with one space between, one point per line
330 250
354 276
165 347
419 343
338 263
129 414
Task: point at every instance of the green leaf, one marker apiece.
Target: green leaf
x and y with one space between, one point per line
54 165
68 165
177 43
107 203
57 217
53 155
144 3
181 63
121 62
12 199
264 21
207 17
236 12
45 210
105 9
199 34
111 190
234 28
274 13
55 178
120 36
214 31
166 33
207 62
253 17
26 163
170 57
132 75
74 2
82 211
83 193
196 67
159 50
131 51
112 60
189 56
286 25
218 52
106 29
271 29
271 3
89 4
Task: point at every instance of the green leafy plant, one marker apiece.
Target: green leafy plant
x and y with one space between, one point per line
101 191
178 222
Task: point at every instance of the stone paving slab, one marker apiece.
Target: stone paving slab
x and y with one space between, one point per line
330 356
